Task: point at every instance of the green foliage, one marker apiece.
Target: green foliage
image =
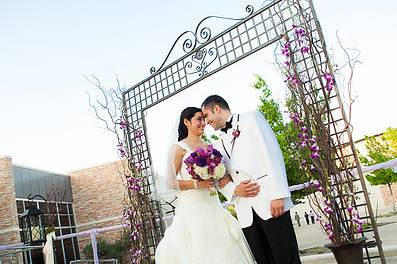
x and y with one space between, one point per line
232 210
214 137
379 151
205 138
270 108
209 139
391 137
109 250
222 198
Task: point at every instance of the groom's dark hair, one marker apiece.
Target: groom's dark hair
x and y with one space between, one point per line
213 100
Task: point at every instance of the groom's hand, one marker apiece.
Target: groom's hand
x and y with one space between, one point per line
247 189
277 207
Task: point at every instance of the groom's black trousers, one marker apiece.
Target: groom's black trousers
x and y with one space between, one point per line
273 241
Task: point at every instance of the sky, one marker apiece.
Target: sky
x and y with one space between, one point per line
46 48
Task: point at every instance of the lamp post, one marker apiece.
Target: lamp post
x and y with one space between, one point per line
33 229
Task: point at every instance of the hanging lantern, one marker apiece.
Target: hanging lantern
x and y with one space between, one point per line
33 229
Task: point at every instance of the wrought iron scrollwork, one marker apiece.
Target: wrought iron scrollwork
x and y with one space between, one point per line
200 61
191 39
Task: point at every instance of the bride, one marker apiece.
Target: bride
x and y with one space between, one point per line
202 231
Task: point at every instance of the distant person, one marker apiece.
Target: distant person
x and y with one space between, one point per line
298 219
311 214
307 218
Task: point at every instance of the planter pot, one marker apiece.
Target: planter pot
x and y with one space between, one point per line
349 253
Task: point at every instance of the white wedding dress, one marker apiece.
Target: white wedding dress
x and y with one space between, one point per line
202 231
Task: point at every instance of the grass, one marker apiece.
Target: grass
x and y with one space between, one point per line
387 215
314 251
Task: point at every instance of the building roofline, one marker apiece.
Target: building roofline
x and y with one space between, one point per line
376 135
94 166
46 171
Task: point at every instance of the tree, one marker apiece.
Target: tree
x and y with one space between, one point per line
391 137
284 131
379 150
54 197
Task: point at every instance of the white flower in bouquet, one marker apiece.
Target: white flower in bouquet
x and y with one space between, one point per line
219 171
202 172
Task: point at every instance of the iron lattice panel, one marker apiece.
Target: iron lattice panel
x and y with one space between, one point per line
334 119
206 55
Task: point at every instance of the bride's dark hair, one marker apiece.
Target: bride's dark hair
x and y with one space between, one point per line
188 114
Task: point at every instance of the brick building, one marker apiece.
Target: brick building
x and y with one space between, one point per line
86 199
98 198
9 228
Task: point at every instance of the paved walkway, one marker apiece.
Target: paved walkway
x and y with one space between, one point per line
312 236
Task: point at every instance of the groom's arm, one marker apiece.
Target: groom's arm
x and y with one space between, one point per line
246 188
270 153
228 191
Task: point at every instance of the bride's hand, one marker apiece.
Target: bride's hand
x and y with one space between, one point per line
205 184
224 181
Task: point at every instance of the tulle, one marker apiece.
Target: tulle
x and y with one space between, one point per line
166 180
202 232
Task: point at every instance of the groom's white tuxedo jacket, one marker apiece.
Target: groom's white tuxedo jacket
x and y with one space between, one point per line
257 156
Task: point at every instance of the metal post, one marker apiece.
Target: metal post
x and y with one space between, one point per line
94 245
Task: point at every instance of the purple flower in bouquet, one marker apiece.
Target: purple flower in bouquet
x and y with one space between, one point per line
216 153
204 164
201 161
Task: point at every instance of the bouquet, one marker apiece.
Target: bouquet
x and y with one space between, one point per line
206 164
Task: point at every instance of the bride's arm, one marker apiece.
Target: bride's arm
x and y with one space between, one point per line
188 184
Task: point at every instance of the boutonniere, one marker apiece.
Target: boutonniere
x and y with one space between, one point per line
236 133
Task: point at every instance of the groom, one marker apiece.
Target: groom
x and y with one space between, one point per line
258 185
